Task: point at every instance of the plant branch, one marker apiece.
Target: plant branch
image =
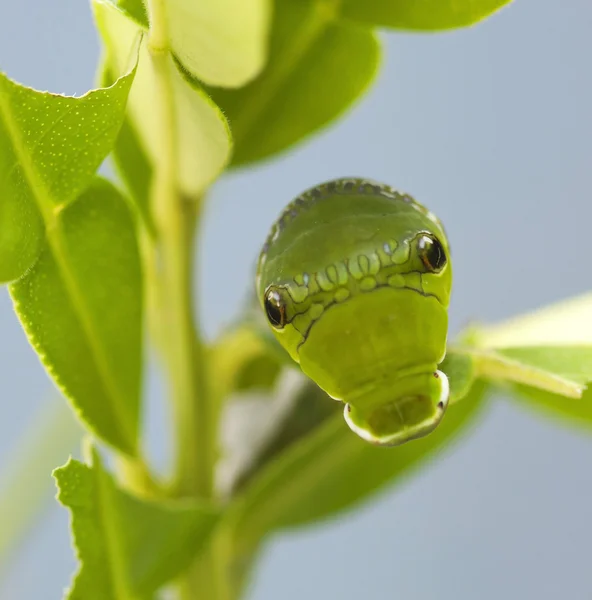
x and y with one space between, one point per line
159 39
176 218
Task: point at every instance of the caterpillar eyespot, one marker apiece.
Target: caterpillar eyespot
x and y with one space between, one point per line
275 309
431 253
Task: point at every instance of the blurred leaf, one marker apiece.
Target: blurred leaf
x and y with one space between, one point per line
318 66
25 485
81 307
269 409
127 547
576 410
257 427
221 43
259 373
50 148
545 355
556 369
308 407
566 323
134 169
573 364
460 370
203 137
332 470
424 15
131 163
134 9
242 359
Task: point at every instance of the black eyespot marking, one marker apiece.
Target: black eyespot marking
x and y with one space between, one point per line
431 253
275 309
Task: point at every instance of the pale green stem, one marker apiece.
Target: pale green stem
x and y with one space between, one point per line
136 476
218 574
176 219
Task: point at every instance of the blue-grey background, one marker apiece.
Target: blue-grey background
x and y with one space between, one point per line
491 128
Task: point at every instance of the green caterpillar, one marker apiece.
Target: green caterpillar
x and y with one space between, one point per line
355 281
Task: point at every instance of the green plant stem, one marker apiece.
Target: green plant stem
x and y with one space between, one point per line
137 477
218 573
176 220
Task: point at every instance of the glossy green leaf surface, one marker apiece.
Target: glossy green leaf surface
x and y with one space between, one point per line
332 470
81 307
426 15
223 42
318 66
127 547
201 132
50 148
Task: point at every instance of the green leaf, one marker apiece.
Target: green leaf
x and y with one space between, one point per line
81 307
565 323
134 9
202 134
50 148
259 425
221 43
332 470
242 359
131 163
576 410
553 378
134 169
426 15
572 363
549 349
318 67
542 368
544 356
128 548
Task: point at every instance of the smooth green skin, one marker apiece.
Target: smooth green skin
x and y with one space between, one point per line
365 318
